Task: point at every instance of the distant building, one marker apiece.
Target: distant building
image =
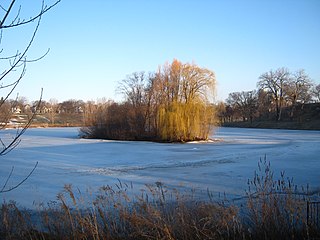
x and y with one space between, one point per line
16 110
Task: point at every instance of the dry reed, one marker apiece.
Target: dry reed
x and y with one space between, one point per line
274 210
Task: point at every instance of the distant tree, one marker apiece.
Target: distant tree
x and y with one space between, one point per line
13 65
53 106
280 93
251 104
221 112
275 82
234 102
21 102
316 92
39 107
71 106
90 108
245 103
134 89
5 114
298 90
265 104
229 113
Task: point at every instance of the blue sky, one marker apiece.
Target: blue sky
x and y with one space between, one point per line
94 44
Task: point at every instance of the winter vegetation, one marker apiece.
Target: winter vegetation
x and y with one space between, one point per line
272 209
281 96
170 105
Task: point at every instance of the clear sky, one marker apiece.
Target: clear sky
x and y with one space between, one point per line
94 44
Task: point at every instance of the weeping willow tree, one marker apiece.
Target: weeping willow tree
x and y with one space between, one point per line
181 122
186 112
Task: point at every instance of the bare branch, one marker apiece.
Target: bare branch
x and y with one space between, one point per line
7 180
16 140
7 13
3 190
17 63
21 58
16 23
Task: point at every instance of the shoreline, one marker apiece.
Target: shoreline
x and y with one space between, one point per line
285 125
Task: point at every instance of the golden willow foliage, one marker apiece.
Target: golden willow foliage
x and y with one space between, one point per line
173 104
185 113
185 121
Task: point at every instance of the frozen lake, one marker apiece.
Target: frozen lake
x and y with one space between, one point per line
222 167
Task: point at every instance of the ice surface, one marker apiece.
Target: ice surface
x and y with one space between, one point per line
222 166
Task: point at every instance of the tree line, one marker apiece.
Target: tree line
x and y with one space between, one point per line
280 95
175 103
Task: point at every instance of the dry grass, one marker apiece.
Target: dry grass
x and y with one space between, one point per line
274 210
277 208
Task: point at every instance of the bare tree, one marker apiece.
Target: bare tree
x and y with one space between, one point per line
221 112
245 103
13 67
90 109
298 90
53 109
316 92
275 82
265 105
135 90
72 106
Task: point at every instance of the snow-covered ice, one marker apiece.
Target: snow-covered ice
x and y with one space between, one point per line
222 166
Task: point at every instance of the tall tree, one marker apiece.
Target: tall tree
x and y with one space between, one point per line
53 105
245 103
275 82
316 92
265 105
298 90
134 89
184 114
221 112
